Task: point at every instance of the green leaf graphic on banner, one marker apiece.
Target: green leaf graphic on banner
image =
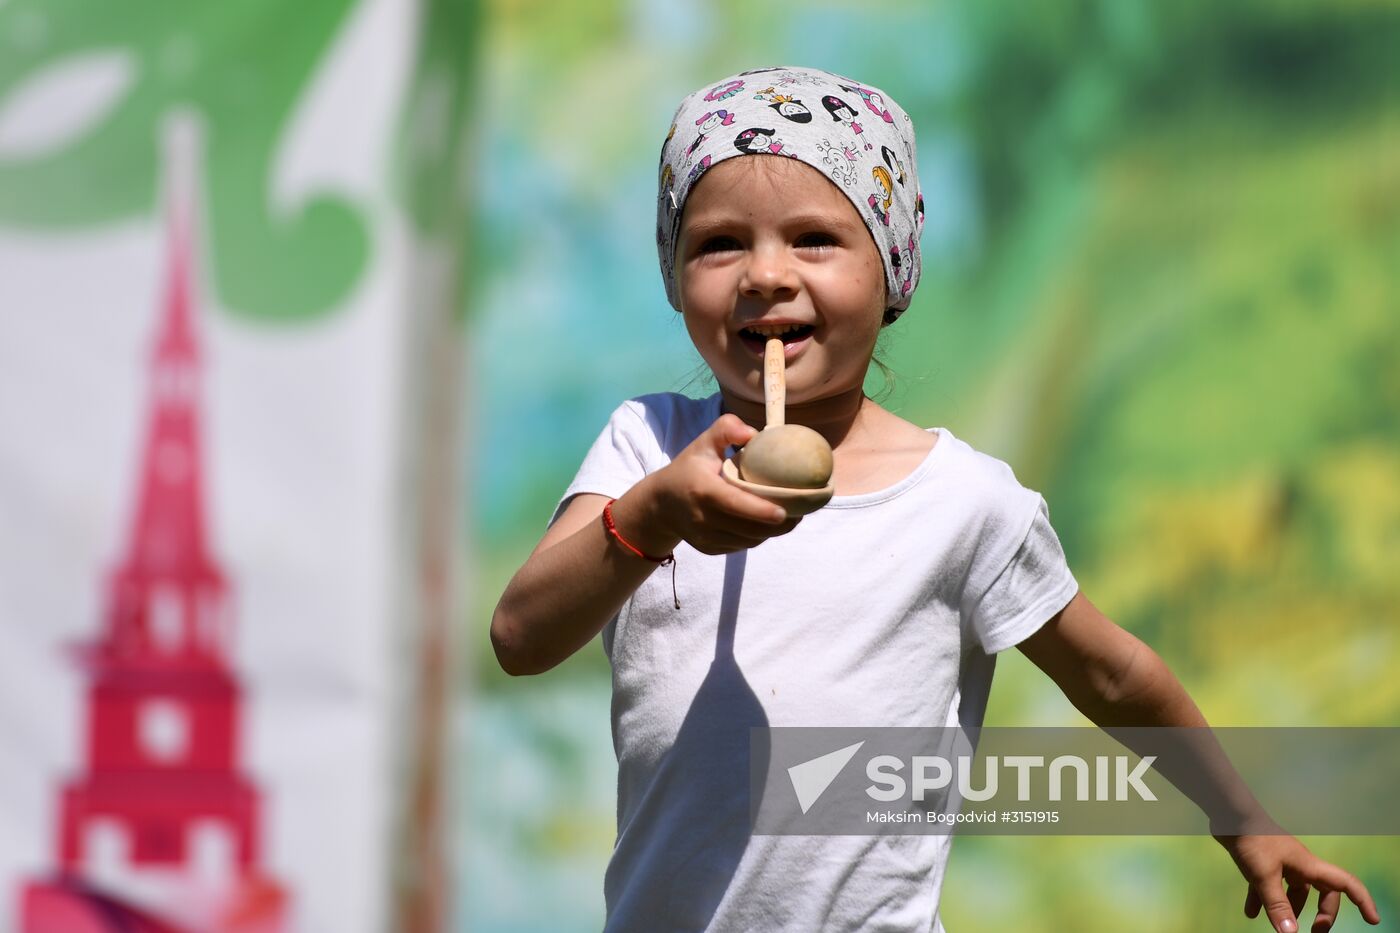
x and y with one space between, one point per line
83 88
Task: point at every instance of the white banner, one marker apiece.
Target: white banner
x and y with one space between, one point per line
211 586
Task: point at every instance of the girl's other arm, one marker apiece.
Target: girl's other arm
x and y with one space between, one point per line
1115 679
578 576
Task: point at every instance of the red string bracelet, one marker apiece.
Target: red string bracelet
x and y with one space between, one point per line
611 526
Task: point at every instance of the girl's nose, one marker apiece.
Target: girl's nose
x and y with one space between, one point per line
768 274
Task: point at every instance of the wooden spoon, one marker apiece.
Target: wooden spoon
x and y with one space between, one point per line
780 448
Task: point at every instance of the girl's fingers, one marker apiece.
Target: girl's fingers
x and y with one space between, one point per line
1327 906
1329 876
1303 871
747 506
728 430
1335 879
1276 905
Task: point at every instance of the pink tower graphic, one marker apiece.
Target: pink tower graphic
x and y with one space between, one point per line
159 834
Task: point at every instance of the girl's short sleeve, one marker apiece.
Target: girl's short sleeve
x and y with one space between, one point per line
1034 585
615 462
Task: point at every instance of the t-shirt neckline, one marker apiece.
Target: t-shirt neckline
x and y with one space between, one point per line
876 496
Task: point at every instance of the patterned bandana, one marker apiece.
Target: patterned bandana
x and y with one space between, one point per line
853 134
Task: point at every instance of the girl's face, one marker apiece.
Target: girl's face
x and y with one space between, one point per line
769 240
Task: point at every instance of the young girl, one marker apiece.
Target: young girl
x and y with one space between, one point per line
884 608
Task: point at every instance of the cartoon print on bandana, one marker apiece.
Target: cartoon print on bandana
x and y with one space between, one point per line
881 200
783 77
841 159
725 91
903 263
668 199
756 139
842 112
667 176
708 123
873 100
695 172
893 161
787 106
919 211
675 215
908 284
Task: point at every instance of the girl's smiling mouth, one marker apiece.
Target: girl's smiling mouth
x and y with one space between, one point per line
794 337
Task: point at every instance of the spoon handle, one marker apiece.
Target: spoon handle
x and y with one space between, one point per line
774 382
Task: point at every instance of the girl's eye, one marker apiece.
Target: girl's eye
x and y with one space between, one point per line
817 240
718 244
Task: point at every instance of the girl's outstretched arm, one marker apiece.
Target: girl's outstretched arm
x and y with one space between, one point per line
574 581
1116 680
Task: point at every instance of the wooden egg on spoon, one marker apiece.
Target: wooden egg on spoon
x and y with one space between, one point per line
788 464
789 455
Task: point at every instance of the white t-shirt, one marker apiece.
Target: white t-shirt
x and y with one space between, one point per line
880 609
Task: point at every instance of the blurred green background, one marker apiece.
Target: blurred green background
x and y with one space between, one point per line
1162 280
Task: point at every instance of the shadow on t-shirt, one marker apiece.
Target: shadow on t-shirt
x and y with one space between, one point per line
698 807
